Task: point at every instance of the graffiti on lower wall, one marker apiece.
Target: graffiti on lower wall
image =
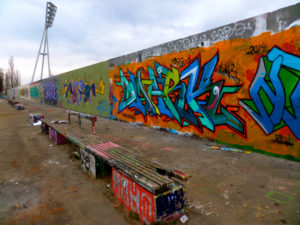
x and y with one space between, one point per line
275 92
34 92
77 92
24 92
88 162
243 92
195 100
56 137
169 204
50 96
134 197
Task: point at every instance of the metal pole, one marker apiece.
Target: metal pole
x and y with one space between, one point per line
44 53
79 120
93 127
49 71
37 59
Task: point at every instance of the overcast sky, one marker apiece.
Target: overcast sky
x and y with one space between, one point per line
89 31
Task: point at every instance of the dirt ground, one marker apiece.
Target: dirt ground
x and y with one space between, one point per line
42 183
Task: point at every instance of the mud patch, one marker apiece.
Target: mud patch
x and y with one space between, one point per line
17 195
6 114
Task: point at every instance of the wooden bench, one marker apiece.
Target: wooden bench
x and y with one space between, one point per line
143 187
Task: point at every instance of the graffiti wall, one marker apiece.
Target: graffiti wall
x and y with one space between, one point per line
237 84
24 91
86 89
51 91
34 91
241 91
134 197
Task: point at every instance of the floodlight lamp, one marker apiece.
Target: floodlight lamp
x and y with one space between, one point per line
50 14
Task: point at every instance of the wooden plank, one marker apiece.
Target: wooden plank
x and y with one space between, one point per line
135 174
138 163
150 175
139 179
163 182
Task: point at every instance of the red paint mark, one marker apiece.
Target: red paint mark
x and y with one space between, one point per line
249 74
106 146
168 148
181 174
284 131
288 47
233 108
100 149
256 58
134 197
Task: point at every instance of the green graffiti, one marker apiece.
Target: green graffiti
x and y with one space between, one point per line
34 92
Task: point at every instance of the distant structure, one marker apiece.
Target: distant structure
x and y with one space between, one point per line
50 14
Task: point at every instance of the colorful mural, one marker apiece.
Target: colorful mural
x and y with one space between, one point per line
233 92
237 84
189 96
34 92
50 95
85 89
275 92
134 197
80 91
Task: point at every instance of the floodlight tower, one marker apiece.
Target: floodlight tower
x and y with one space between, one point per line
50 14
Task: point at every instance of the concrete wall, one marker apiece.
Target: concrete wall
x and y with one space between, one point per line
86 89
237 84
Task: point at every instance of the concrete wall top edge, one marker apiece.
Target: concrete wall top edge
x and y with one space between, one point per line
275 21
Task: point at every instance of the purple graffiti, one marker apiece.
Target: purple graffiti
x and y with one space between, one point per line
50 92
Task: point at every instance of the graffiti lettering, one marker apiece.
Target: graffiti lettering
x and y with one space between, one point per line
226 32
134 197
129 116
113 102
200 40
283 140
88 162
169 203
80 91
34 92
50 93
24 92
228 69
257 49
275 92
103 108
178 62
180 96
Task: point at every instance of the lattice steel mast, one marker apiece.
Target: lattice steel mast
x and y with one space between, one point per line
50 14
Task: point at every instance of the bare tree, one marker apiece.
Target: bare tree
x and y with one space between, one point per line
12 76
